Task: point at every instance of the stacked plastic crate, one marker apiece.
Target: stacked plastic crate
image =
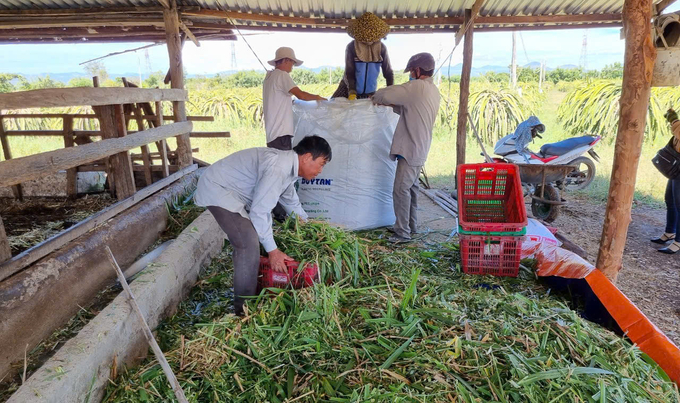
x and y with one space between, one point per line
492 218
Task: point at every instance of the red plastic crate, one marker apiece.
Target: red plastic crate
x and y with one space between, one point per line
298 279
493 255
490 198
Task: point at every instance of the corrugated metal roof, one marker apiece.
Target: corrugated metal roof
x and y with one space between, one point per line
350 9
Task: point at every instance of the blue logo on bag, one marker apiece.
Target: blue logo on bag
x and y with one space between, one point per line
317 181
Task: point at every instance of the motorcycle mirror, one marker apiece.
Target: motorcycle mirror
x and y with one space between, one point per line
539 136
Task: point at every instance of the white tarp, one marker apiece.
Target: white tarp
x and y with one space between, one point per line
355 188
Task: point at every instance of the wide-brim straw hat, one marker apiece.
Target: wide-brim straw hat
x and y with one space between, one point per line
368 28
285 53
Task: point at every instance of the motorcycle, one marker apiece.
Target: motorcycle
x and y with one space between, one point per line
565 152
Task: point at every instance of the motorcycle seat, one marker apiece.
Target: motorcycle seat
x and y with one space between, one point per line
564 146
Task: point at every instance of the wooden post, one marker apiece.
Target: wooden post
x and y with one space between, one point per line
638 64
145 148
461 128
5 251
112 123
172 37
162 145
72 173
7 153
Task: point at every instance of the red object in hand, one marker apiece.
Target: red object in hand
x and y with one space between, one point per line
268 277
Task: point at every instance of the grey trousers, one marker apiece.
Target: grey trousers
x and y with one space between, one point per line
405 199
246 256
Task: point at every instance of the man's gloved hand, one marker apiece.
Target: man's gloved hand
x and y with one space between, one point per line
352 96
671 116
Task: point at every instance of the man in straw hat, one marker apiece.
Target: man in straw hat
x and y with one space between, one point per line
277 89
364 57
417 103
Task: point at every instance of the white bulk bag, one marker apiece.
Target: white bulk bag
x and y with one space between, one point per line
355 189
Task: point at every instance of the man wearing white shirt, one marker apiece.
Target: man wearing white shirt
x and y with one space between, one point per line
242 189
417 103
277 89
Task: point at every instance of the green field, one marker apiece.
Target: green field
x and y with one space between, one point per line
247 132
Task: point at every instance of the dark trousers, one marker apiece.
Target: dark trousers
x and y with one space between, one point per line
284 143
246 256
672 199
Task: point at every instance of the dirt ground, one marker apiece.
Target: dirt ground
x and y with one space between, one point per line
648 278
32 221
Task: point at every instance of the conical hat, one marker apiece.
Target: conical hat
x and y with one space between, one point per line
368 28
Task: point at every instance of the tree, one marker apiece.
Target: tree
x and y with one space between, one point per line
79 82
612 71
44 82
6 82
97 69
155 80
244 79
303 76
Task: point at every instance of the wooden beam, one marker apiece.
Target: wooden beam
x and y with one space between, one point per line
79 22
113 126
71 173
452 20
94 116
183 39
7 153
34 166
172 26
22 260
56 97
188 33
639 58
474 12
81 11
97 133
5 250
461 127
662 5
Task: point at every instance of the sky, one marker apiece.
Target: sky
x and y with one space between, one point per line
555 48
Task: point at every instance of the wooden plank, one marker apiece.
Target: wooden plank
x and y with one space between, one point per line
7 153
33 166
163 144
22 260
96 133
94 116
461 127
56 97
189 35
174 43
474 12
662 5
5 250
71 173
638 62
81 11
148 178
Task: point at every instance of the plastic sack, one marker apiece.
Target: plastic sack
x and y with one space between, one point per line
355 189
555 261
538 232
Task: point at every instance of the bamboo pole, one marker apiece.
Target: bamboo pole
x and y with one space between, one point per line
639 58
461 127
174 383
